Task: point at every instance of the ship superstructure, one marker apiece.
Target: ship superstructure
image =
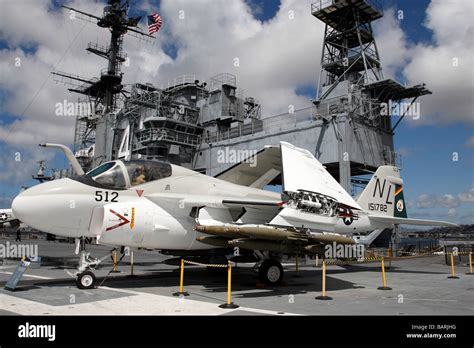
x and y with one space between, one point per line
192 121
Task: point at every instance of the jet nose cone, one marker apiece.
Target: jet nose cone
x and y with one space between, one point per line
24 207
46 207
20 207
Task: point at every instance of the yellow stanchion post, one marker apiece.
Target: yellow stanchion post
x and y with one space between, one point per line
452 276
181 291
131 275
384 279
297 262
390 255
470 264
324 296
229 304
114 258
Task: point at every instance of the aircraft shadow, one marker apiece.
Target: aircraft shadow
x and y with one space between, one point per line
244 283
393 269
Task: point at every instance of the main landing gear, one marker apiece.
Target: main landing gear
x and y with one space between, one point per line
270 270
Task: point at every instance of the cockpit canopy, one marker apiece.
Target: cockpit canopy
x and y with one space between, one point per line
125 174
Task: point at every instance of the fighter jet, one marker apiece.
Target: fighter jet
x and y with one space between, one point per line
6 215
158 205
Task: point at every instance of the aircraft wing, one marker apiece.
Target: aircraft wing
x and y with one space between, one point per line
302 171
256 171
190 200
395 220
221 210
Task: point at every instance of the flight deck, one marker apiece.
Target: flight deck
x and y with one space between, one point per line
420 286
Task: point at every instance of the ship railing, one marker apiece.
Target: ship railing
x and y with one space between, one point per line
222 79
321 4
391 157
271 124
166 135
181 80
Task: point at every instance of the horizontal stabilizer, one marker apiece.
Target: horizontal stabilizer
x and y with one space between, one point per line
370 238
395 220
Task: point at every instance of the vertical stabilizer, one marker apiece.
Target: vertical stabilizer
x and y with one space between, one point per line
384 194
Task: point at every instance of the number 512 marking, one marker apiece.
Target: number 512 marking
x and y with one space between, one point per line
104 196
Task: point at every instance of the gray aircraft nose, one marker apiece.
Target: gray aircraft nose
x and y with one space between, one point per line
55 207
34 205
23 208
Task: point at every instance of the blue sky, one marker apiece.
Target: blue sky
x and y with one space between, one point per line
428 166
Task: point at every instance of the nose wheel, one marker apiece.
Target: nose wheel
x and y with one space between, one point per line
86 280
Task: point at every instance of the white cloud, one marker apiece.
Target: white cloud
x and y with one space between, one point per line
470 142
33 52
445 65
20 162
274 56
467 196
391 43
448 200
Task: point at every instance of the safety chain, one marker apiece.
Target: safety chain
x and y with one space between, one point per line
206 264
410 253
108 274
378 257
348 262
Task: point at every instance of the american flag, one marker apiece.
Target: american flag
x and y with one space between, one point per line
154 23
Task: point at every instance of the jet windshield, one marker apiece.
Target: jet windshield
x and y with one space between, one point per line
141 172
109 174
123 174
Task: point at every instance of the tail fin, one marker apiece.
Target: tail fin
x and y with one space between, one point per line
383 200
384 194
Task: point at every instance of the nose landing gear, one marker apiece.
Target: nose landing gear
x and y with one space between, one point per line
85 278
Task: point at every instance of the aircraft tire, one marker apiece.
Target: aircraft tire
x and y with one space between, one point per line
271 272
86 280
